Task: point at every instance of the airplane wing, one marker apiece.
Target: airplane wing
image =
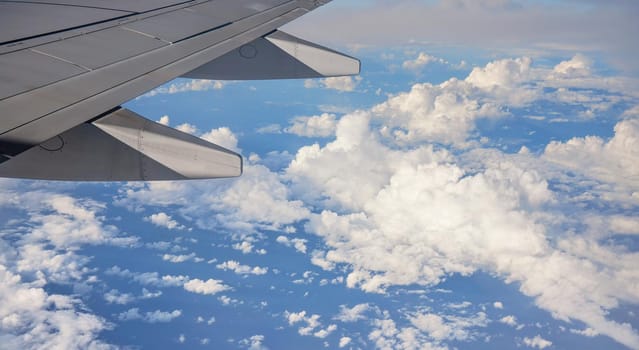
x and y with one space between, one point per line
66 66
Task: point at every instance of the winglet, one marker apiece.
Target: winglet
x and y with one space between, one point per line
278 56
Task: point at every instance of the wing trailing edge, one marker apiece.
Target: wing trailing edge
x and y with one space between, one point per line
278 56
123 146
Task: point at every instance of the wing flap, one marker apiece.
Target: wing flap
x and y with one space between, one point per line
278 56
123 146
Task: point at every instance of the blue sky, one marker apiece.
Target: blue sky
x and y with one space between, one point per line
463 192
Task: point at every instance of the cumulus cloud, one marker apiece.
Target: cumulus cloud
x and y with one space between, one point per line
422 60
615 160
242 269
247 247
41 248
310 325
426 330
148 278
509 320
298 243
588 332
315 126
186 86
417 215
164 220
448 327
156 316
165 120
577 67
223 137
187 128
180 258
344 341
354 314
343 84
116 297
32 318
209 287
255 342
537 342
258 199
395 207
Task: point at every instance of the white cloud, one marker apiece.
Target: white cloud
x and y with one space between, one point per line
148 278
579 66
178 258
162 316
41 248
165 120
624 225
509 320
315 126
32 318
116 297
187 128
344 341
270 129
298 243
498 305
164 220
395 208
258 199
354 314
311 325
146 294
255 342
422 60
448 327
588 332
226 300
415 215
186 86
426 331
615 161
247 247
343 84
323 333
156 316
223 137
444 113
242 269
537 342
209 287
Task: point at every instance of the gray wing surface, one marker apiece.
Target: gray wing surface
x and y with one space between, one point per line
66 66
